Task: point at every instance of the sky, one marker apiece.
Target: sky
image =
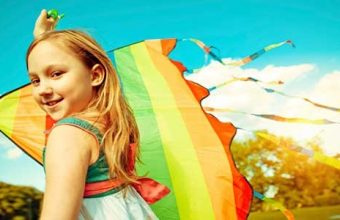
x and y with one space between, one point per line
236 28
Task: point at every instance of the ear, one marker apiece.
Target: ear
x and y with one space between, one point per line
97 75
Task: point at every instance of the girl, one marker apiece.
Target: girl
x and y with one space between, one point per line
91 149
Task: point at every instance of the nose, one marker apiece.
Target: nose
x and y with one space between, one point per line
45 89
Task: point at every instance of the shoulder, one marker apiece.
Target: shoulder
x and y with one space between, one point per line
70 139
74 136
70 133
76 129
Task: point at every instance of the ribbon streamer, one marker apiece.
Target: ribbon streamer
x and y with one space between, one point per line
207 50
234 79
305 99
259 53
275 204
318 156
274 117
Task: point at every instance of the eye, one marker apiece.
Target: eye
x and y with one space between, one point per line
35 82
56 74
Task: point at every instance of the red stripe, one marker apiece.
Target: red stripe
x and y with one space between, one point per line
101 187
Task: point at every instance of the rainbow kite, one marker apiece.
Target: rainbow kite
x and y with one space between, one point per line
181 146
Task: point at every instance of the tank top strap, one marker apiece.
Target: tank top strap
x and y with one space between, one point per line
84 125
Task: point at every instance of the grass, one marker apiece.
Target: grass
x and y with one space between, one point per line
319 213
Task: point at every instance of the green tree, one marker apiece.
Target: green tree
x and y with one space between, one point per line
290 177
19 202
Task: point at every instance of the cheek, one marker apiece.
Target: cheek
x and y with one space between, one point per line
87 95
35 95
81 95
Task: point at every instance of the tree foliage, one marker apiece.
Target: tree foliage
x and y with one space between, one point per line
290 177
19 202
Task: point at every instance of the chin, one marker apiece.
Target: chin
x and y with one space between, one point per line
56 116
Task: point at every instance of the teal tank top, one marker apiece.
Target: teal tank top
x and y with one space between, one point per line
98 171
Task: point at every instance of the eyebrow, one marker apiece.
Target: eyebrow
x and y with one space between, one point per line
47 69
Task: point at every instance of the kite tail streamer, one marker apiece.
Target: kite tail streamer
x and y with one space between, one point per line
330 161
259 53
245 79
205 48
222 84
280 118
320 157
269 90
243 61
274 117
275 204
295 120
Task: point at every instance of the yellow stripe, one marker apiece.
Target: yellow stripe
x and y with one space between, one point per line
8 108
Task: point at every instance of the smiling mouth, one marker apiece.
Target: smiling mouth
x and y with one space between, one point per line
52 103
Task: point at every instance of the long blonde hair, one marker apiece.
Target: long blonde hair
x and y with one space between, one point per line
120 126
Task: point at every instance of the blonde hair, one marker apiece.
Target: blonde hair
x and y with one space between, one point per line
120 126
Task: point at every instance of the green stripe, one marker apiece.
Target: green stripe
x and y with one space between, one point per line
151 150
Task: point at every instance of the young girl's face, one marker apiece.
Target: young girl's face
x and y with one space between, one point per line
61 82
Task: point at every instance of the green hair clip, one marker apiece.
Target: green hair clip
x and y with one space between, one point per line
54 14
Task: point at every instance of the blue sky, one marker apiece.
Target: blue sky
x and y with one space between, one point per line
237 28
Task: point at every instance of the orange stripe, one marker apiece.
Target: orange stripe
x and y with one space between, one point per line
29 115
168 45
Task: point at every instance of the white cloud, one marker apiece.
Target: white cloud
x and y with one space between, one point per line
248 97
324 92
10 149
215 73
327 89
278 73
14 153
241 94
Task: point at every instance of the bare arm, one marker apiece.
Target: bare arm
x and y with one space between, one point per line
43 24
68 155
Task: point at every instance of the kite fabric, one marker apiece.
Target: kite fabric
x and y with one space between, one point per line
182 147
23 122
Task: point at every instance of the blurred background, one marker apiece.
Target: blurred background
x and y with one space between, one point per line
276 156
